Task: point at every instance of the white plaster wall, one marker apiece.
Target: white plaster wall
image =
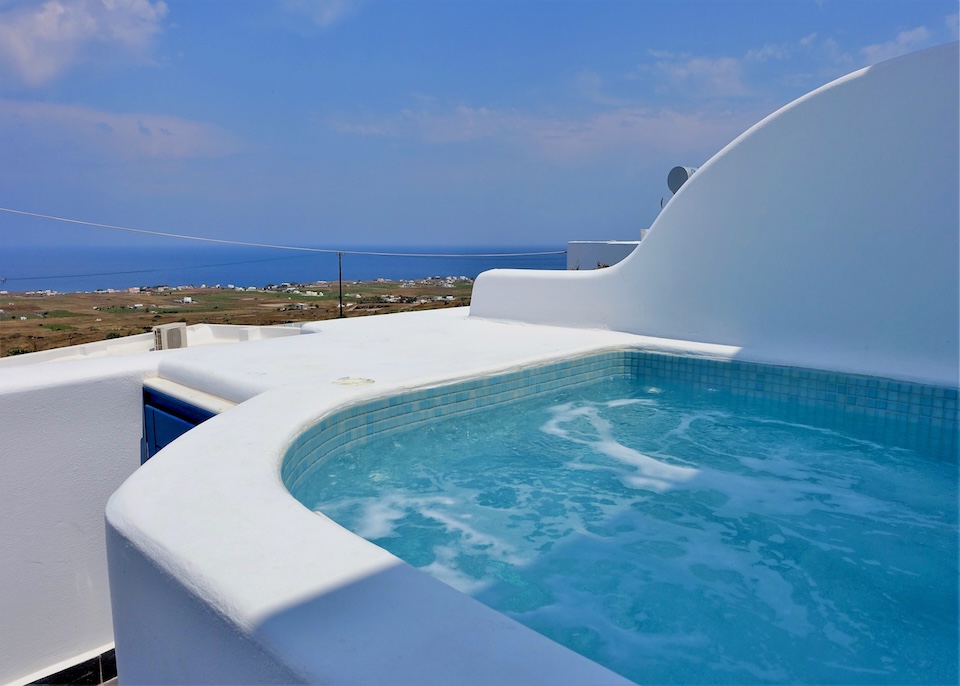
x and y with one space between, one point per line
69 436
588 254
174 637
845 258
197 335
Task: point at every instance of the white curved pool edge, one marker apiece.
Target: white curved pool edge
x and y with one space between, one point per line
213 560
232 566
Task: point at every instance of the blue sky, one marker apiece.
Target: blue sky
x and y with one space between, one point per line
333 122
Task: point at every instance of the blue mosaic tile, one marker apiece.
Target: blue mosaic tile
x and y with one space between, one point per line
931 408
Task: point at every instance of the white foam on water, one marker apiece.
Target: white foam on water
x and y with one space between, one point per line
734 573
797 489
623 402
472 538
628 544
379 518
648 472
446 569
835 635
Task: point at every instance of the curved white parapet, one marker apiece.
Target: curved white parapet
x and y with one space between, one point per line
824 236
217 575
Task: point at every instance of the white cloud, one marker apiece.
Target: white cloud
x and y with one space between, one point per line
953 25
769 52
40 41
906 41
638 129
836 56
591 86
714 77
717 77
461 125
119 135
321 13
563 139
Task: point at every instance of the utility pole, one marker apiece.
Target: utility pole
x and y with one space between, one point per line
340 268
2 279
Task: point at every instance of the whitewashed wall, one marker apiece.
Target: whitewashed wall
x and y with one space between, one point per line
589 254
846 256
69 436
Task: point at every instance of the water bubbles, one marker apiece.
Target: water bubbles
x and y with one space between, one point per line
673 538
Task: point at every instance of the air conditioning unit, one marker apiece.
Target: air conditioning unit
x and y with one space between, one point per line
170 336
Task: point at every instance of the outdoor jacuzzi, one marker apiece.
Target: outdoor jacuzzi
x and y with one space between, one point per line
826 555
214 562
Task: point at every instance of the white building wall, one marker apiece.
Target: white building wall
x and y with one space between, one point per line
70 428
596 254
846 256
203 648
69 436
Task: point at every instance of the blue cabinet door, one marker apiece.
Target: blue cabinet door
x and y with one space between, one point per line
166 418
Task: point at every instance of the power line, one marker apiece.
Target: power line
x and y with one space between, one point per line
225 241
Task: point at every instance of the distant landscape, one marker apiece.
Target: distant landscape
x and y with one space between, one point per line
43 320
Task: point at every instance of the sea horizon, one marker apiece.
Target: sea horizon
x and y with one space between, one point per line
73 269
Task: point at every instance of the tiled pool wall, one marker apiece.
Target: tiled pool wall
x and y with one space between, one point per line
930 411
357 424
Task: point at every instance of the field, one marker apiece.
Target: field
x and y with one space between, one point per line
31 322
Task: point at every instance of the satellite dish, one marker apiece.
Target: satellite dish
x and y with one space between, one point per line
678 176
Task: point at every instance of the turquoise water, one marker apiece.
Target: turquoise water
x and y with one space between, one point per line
675 536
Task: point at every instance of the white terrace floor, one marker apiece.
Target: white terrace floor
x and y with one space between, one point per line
393 351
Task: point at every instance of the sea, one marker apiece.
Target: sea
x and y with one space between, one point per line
79 269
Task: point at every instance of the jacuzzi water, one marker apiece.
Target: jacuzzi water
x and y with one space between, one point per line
675 537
